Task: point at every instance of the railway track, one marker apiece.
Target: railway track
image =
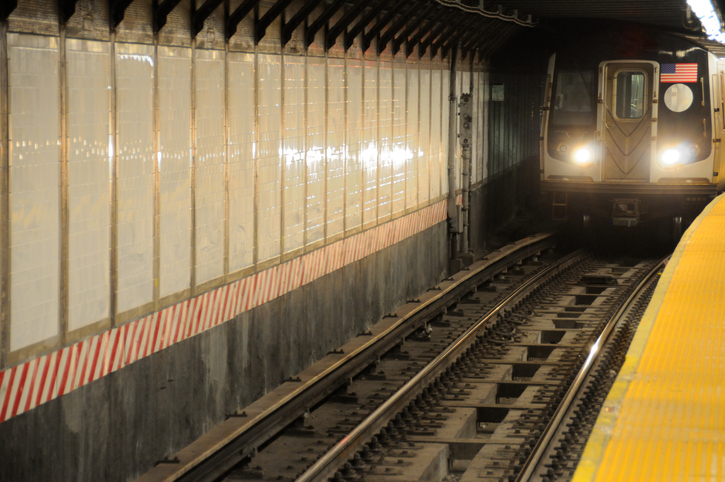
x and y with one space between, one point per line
461 385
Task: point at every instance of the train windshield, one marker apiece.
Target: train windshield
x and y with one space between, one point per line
630 95
573 104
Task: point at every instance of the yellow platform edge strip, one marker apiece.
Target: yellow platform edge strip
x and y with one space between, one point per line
601 433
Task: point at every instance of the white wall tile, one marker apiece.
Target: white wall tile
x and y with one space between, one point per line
436 96
210 160
34 96
370 150
424 136
242 149
385 120
335 146
270 156
315 160
174 163
89 181
294 152
445 107
399 155
135 171
353 169
411 138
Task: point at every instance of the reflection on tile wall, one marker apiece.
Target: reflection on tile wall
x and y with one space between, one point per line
224 161
34 188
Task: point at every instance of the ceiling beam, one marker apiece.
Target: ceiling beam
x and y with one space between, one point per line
375 30
260 30
66 9
118 10
201 14
161 13
6 8
412 26
344 22
435 32
396 27
425 29
297 20
455 36
364 22
321 21
237 16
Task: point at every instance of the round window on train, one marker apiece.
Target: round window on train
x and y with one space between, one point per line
678 97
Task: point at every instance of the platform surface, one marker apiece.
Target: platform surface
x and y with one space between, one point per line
664 418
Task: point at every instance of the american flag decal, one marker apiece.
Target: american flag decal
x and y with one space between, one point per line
672 73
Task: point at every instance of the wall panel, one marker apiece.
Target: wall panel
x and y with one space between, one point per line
335 146
89 181
436 145
294 152
445 118
34 107
242 127
371 149
474 138
135 173
424 136
385 126
412 124
354 145
270 156
399 154
174 165
210 160
315 161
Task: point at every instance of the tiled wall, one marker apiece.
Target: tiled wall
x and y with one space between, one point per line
143 175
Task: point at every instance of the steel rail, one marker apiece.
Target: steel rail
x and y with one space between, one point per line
329 463
571 395
225 445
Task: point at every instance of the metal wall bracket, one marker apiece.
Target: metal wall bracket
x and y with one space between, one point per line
237 16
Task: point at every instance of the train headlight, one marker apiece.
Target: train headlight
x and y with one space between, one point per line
671 157
684 153
582 156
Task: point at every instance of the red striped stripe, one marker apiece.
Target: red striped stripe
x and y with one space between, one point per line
88 360
8 394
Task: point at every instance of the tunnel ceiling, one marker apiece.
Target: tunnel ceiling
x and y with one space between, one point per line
422 26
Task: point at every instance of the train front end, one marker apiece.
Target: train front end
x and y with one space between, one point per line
631 137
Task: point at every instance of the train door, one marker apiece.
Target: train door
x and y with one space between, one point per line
626 120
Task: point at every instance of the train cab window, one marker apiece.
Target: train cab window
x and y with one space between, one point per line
573 103
630 91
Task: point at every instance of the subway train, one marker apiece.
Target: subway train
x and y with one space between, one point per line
631 130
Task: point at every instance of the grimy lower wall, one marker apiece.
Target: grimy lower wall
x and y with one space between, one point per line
178 218
118 426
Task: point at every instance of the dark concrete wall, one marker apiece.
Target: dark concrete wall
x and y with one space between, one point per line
512 172
117 427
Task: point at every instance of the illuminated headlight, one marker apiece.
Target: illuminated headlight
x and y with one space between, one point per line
582 156
670 157
684 153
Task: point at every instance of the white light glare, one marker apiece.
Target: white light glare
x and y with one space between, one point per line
709 19
582 155
671 157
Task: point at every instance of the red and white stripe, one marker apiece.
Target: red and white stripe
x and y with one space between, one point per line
42 379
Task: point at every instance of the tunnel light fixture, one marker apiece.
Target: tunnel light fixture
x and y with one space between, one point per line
709 18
